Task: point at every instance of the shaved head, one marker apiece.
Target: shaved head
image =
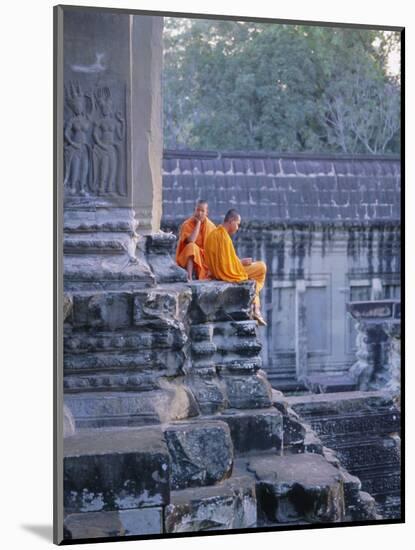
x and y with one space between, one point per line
201 210
231 215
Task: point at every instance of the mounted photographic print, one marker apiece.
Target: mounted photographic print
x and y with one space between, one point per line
227 275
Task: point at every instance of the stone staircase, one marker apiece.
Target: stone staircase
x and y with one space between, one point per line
173 427
189 476
363 427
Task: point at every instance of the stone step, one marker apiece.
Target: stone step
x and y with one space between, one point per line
363 429
230 504
287 384
340 403
131 408
367 452
201 452
295 488
108 470
325 383
120 523
254 430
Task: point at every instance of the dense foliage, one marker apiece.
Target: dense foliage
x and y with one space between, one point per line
249 86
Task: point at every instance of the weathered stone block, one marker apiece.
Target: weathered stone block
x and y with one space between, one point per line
365 508
164 335
243 347
230 505
109 310
294 431
201 453
219 301
158 254
124 523
96 410
144 521
161 362
162 303
202 333
248 392
202 350
208 391
298 487
93 525
242 366
255 430
115 470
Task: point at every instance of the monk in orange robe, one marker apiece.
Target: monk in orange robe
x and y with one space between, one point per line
225 265
190 252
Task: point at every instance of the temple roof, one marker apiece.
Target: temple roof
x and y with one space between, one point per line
286 188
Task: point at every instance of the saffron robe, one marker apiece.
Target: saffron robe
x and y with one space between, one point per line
194 250
225 265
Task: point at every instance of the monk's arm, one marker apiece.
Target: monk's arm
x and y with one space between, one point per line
194 234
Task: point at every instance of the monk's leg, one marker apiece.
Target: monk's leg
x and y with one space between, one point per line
189 268
257 271
192 261
191 252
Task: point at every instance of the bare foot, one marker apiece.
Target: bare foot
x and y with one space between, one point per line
258 317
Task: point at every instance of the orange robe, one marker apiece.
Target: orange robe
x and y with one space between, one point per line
225 265
184 250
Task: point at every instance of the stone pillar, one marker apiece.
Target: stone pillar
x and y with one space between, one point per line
146 120
113 145
300 330
378 323
393 331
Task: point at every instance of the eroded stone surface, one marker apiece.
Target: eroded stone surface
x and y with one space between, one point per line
255 429
201 453
363 428
115 470
221 302
229 505
248 392
124 523
298 487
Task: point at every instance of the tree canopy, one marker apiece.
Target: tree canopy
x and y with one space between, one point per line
278 87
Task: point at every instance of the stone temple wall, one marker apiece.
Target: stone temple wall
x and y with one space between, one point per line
328 228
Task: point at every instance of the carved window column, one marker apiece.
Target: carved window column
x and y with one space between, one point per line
378 325
301 344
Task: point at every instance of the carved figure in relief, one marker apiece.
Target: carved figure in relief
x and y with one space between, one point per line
108 132
78 166
362 370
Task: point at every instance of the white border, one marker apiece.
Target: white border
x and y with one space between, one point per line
27 281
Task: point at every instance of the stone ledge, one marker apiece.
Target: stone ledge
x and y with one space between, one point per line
123 523
298 487
115 470
228 505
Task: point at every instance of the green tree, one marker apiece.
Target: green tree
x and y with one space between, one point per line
243 85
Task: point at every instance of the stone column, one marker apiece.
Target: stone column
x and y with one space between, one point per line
393 331
300 330
113 146
146 120
378 323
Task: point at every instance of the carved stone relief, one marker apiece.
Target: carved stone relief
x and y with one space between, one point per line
94 135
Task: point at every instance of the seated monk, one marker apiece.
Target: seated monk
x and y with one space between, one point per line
225 265
194 231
